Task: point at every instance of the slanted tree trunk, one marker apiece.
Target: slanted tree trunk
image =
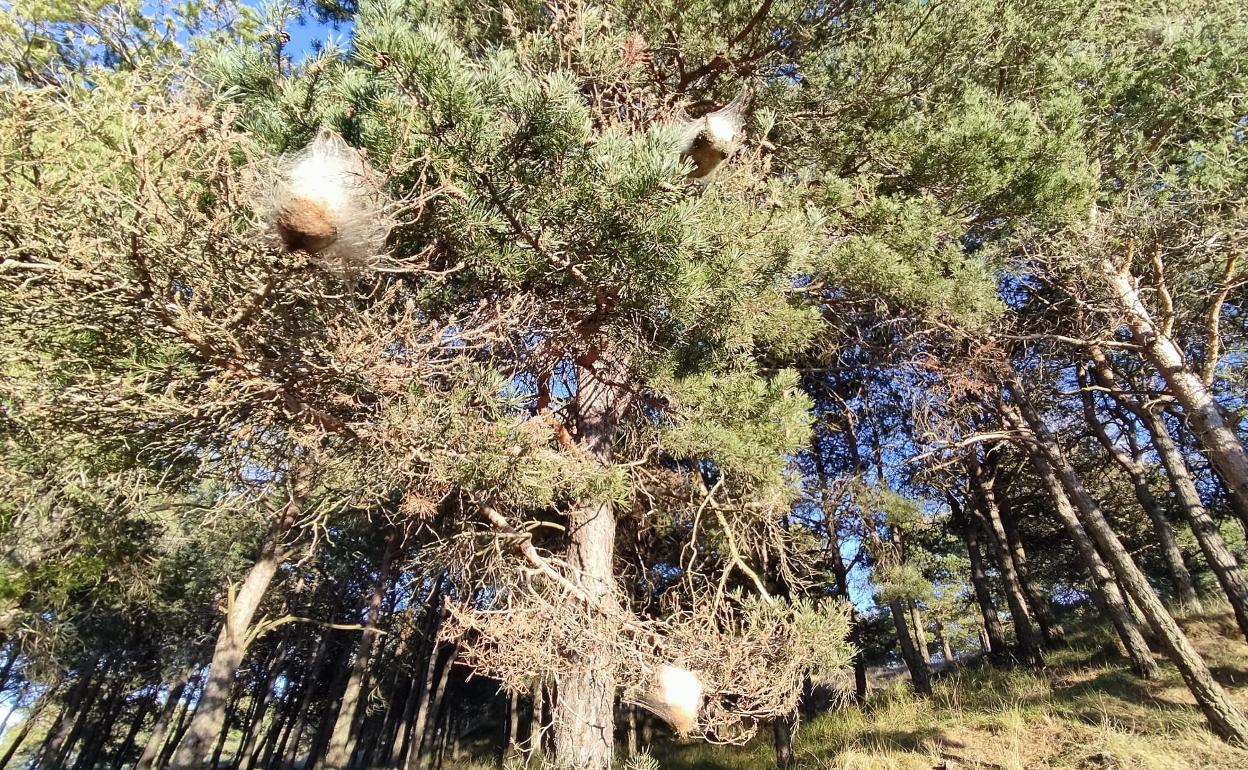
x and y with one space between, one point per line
100 729
1224 717
1212 430
1051 630
920 672
438 712
983 479
992 635
196 747
945 650
584 722
36 711
536 752
1223 563
338 755
1180 578
160 730
920 633
1104 585
145 707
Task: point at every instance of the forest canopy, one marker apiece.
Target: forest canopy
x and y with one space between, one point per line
576 363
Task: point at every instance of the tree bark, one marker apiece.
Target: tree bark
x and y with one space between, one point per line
920 673
983 479
1051 630
160 730
584 722
1180 578
1103 582
1223 563
782 730
919 627
195 749
993 637
338 755
1214 433
1226 720
136 724
945 650
437 711
31 718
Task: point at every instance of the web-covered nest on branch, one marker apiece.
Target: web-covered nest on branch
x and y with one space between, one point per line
746 660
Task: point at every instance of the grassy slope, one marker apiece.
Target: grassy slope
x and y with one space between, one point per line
1080 713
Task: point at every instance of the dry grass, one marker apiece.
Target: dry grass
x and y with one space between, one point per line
1081 713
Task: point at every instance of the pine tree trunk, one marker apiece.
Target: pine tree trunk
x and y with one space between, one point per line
160 730
782 731
632 736
535 751
99 730
945 650
36 711
1180 578
136 725
1226 720
261 698
1214 433
437 709
65 743
983 478
1223 563
993 637
584 722
230 714
1103 583
920 633
195 749
920 675
1051 630
338 755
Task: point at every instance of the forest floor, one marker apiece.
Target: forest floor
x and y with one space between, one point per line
1084 711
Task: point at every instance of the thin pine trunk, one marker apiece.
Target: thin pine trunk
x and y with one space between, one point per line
920 632
920 674
993 637
1104 585
437 706
160 730
98 731
983 478
136 724
782 732
1180 578
195 749
1050 629
339 753
36 711
1224 717
945 650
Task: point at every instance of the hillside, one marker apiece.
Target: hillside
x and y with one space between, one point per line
1083 712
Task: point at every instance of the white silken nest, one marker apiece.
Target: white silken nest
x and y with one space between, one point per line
710 139
327 201
675 695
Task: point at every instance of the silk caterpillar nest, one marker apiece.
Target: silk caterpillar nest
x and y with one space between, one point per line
327 201
675 695
710 139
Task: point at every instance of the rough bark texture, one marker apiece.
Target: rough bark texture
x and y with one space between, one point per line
1051 630
338 755
1105 587
584 721
1225 719
1180 578
1212 430
920 672
983 477
1223 563
945 650
195 749
993 637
